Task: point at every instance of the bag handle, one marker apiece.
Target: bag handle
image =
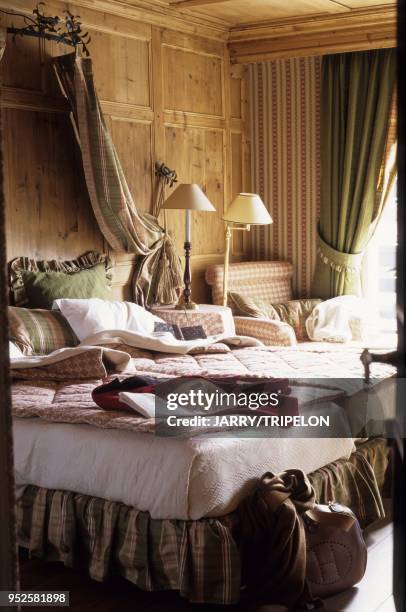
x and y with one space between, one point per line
327 516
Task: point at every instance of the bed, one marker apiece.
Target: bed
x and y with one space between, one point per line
124 493
99 490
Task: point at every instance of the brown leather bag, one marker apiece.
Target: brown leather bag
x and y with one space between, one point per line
336 551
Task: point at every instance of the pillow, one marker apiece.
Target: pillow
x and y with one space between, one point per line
295 313
42 289
39 332
87 317
244 306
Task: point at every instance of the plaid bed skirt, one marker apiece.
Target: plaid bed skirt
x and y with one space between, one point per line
200 559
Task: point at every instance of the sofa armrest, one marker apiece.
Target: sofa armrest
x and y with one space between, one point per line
270 332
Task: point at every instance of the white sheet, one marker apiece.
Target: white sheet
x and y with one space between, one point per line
170 478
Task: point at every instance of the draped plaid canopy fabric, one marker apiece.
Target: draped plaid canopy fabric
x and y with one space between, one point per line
158 275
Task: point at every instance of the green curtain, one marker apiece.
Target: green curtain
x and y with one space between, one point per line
357 95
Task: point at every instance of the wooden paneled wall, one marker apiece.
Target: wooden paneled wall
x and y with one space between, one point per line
167 95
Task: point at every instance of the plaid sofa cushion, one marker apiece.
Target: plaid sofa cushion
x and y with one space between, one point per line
39 332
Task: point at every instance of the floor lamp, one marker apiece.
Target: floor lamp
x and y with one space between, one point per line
188 197
245 210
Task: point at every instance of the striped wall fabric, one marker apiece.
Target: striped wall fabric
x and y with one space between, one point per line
284 97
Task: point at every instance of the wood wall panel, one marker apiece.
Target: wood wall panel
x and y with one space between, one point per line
24 66
236 95
237 184
197 154
122 72
167 96
133 140
240 159
47 214
20 66
193 81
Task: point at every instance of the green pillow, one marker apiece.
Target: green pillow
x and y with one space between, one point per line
42 288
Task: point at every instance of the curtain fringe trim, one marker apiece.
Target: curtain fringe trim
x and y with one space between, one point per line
335 266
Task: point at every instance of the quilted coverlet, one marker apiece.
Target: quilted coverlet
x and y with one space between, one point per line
70 401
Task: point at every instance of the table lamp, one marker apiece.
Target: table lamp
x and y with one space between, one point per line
188 197
245 210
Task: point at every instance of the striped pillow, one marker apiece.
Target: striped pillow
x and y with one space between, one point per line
245 306
39 332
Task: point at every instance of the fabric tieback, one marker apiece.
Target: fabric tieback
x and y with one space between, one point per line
338 260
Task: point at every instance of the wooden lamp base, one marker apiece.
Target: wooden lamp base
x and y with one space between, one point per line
185 301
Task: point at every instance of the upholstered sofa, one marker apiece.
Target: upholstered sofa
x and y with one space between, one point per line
264 280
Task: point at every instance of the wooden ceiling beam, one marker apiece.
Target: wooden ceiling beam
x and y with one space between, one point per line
322 22
358 30
194 3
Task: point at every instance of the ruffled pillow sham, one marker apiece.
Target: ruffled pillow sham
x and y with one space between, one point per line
37 283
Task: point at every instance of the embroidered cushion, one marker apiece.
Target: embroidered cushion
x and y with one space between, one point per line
39 332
